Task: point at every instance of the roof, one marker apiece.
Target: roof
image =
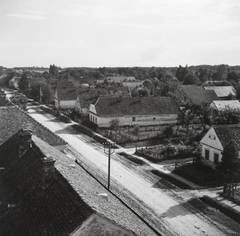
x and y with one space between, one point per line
227 133
222 91
198 95
13 119
90 96
121 106
227 104
65 94
69 199
119 79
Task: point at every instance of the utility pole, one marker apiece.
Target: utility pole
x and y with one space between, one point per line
109 149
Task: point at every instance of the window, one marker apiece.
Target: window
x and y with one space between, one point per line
206 154
216 158
96 119
133 118
154 118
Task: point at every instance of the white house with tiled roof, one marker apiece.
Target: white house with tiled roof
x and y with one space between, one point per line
134 110
214 141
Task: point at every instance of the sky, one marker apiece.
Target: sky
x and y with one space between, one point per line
119 33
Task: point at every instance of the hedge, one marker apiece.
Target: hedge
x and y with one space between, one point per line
225 209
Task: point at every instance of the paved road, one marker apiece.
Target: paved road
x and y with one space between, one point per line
169 210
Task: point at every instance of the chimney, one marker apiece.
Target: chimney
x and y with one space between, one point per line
25 142
48 170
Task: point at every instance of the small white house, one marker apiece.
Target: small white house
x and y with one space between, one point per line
134 110
215 140
65 98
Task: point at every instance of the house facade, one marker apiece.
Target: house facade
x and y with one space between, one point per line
134 110
215 140
65 98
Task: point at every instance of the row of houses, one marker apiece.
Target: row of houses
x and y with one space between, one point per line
101 106
44 192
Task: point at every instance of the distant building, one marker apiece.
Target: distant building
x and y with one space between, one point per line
192 94
222 92
134 110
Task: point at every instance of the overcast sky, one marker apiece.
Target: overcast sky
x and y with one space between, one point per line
119 33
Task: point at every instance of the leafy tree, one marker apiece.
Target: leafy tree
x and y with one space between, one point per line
168 131
229 166
136 130
186 116
233 76
181 72
227 116
53 70
24 81
114 124
190 78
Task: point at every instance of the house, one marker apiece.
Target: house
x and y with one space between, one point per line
120 79
13 119
86 97
65 97
214 141
192 94
43 192
222 92
132 84
223 105
134 110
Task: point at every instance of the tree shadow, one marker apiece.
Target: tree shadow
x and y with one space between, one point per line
189 207
65 131
164 184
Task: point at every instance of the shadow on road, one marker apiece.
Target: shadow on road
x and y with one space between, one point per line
191 206
163 184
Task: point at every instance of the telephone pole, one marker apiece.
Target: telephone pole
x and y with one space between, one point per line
109 148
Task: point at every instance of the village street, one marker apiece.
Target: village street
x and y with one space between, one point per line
171 211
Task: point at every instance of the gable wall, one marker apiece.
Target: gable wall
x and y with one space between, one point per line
211 143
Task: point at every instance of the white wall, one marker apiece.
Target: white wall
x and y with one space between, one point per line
140 120
211 143
67 104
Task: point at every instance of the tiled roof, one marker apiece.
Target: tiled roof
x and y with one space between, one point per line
198 95
121 106
68 93
222 91
227 104
90 96
69 199
13 119
227 133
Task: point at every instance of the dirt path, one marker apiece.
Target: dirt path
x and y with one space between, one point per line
169 210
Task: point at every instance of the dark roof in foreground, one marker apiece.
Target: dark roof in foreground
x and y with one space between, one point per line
60 208
13 119
226 133
198 94
121 106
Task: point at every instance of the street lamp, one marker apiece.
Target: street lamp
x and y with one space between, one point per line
109 148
